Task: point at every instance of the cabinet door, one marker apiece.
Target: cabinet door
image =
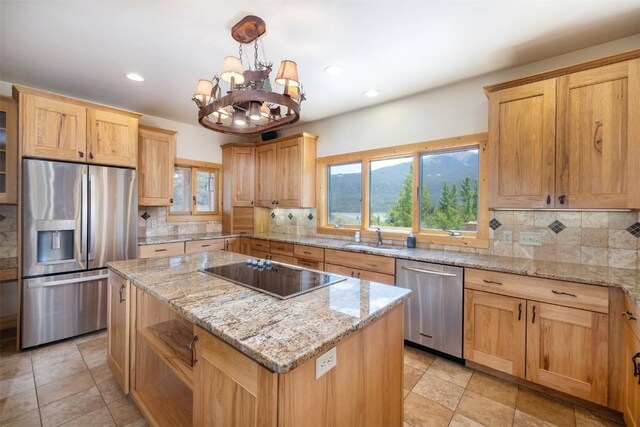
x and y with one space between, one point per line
266 176
631 405
243 167
289 173
8 150
522 141
112 138
118 329
157 153
229 389
567 349
52 128
232 245
597 148
495 331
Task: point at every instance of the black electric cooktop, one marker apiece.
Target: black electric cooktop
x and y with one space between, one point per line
272 278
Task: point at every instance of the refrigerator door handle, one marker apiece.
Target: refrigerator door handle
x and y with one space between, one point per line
66 281
84 230
92 217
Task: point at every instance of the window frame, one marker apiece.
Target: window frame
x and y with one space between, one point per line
354 227
473 239
194 214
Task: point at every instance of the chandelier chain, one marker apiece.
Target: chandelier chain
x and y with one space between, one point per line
240 52
255 54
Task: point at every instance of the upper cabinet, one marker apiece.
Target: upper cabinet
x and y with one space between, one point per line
61 128
240 174
8 150
156 159
567 138
286 172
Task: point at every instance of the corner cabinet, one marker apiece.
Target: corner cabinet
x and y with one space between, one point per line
118 328
61 128
156 158
567 138
8 150
286 172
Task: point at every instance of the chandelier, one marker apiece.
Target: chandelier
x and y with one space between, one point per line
249 105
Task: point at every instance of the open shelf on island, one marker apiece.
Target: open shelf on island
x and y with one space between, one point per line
167 400
170 341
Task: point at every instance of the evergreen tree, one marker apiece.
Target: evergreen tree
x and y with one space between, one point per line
399 214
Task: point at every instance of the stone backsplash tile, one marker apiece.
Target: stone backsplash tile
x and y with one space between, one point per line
156 224
8 231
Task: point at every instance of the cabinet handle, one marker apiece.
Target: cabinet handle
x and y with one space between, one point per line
252 202
353 273
192 347
358 274
121 292
564 293
597 137
491 282
226 246
194 200
519 311
171 200
273 202
636 366
548 199
81 154
160 250
533 318
90 155
277 202
561 199
306 252
629 315
204 246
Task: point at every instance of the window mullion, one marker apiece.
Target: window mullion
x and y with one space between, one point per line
365 193
415 196
194 190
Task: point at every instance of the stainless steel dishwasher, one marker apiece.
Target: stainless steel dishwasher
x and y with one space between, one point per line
433 314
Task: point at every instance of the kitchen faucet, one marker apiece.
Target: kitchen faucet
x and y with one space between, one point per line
379 236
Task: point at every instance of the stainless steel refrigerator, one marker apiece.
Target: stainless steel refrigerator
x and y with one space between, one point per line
76 218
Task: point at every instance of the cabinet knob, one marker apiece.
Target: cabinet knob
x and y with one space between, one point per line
252 202
171 200
273 202
561 199
81 154
90 155
277 202
548 199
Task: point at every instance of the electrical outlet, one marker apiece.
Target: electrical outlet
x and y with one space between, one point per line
530 239
507 236
154 223
326 362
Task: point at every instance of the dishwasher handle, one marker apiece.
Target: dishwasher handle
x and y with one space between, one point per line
435 273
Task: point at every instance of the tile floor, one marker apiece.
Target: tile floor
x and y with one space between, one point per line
70 384
442 393
66 384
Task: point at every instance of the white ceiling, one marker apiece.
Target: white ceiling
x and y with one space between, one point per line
84 48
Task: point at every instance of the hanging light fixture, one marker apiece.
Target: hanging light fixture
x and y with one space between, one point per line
249 106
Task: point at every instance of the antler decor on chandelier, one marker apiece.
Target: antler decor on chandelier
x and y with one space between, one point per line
249 106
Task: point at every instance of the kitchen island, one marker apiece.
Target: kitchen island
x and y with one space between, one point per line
194 349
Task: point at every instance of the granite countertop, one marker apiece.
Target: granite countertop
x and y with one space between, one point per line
278 334
627 279
6 263
154 240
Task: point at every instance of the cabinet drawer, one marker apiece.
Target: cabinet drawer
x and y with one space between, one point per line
356 273
632 310
260 245
162 249
204 245
586 297
281 258
308 252
259 254
378 263
314 265
282 248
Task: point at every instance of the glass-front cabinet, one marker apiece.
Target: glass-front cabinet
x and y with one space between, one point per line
8 150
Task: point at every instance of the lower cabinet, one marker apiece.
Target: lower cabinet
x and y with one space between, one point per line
118 315
232 244
204 246
161 249
631 364
549 343
375 268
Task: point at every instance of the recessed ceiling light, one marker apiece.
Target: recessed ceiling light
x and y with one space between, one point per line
370 93
333 70
135 77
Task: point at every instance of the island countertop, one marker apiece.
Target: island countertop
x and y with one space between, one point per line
278 334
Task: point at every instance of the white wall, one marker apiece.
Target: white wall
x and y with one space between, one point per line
457 109
192 140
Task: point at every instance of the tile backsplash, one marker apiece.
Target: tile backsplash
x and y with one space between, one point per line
301 222
8 231
152 221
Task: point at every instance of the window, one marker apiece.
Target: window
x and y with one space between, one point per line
345 194
449 190
435 189
390 195
196 191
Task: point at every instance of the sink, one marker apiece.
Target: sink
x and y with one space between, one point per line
382 248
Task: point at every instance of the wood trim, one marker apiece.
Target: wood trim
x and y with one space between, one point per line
7 274
197 164
285 138
625 56
156 130
616 365
633 135
10 107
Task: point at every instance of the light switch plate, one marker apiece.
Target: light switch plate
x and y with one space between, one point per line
530 239
154 223
507 236
326 362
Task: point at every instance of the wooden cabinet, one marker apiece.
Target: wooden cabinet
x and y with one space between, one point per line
118 324
245 245
557 343
241 175
232 244
161 249
286 172
495 331
156 159
375 268
112 138
204 246
631 363
522 140
567 138
8 150
266 175
57 127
